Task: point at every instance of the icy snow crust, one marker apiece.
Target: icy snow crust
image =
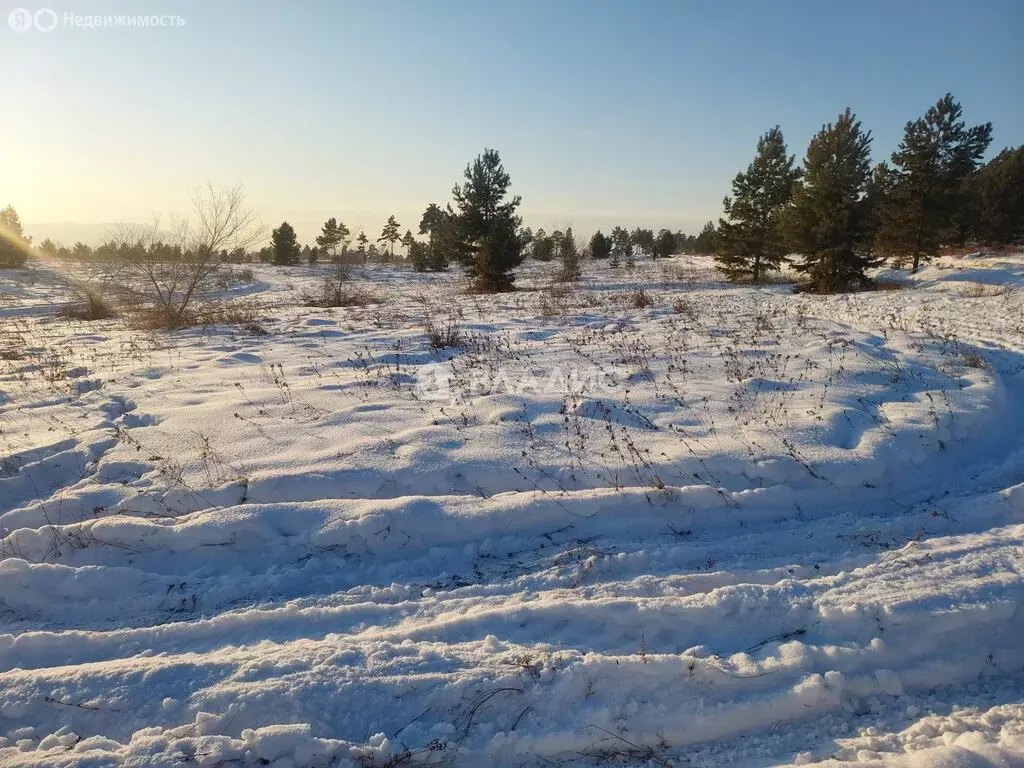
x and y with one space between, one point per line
775 529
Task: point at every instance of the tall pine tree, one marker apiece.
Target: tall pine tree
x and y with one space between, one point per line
13 243
998 198
444 242
285 245
705 242
331 237
622 246
570 271
927 189
407 241
391 234
749 242
664 244
600 246
488 223
828 220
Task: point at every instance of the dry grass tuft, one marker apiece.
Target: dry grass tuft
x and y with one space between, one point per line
443 335
981 290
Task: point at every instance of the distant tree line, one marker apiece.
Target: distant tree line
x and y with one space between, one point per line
836 214
840 216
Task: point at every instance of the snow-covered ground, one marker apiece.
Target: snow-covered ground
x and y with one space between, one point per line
736 526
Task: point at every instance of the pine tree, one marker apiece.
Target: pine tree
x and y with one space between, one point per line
333 235
408 240
391 234
543 246
600 246
13 243
488 223
998 198
444 244
432 220
643 239
664 244
362 239
48 248
556 238
749 242
827 222
927 190
285 245
622 246
570 271
705 242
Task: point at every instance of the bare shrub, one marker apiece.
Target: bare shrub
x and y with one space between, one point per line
685 308
336 291
640 299
443 335
91 303
981 290
164 283
245 313
971 358
553 301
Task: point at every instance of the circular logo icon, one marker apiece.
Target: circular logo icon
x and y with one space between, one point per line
45 20
20 20
433 382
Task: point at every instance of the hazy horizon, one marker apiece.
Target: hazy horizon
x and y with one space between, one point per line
604 114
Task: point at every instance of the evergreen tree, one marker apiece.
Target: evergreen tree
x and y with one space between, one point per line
332 239
444 243
706 241
664 244
570 271
362 240
488 223
827 222
391 234
998 198
408 240
643 239
48 248
600 246
622 246
13 243
927 189
556 238
285 246
543 246
749 242
432 220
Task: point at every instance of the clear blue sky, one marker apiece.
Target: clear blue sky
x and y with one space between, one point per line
635 112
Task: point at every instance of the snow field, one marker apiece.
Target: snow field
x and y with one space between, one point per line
738 526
